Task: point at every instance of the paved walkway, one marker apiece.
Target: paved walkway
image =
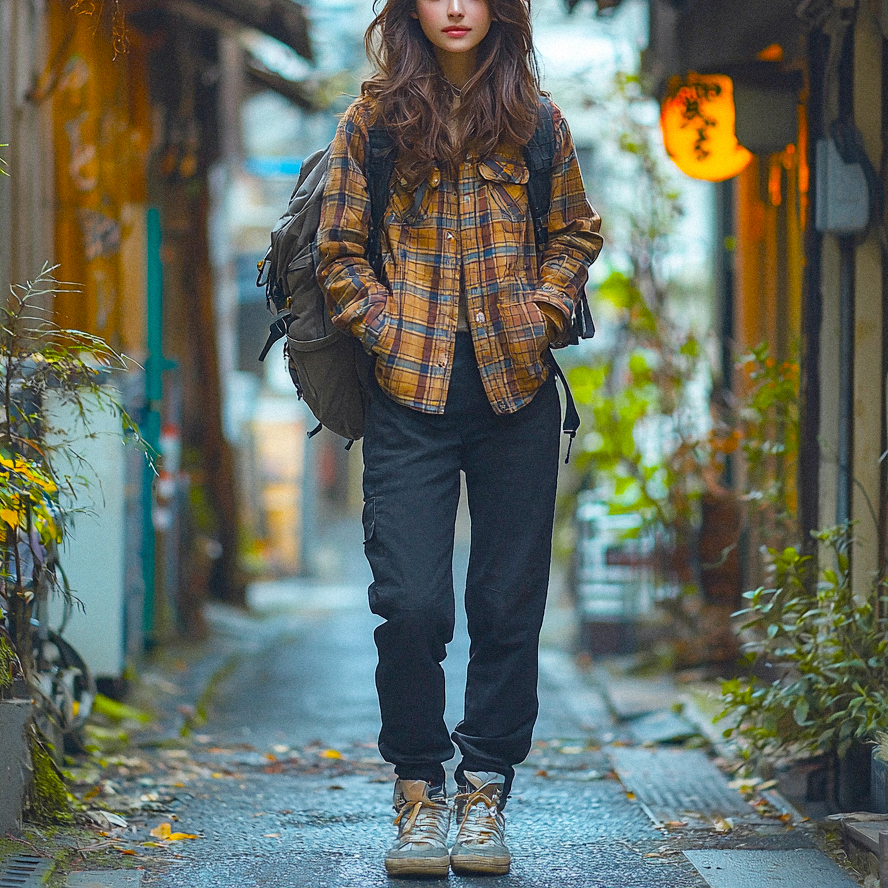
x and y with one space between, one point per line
264 753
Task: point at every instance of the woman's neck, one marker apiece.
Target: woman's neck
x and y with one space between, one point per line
458 67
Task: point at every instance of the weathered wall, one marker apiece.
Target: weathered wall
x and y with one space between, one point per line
101 121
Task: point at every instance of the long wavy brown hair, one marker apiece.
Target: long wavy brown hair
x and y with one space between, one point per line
498 104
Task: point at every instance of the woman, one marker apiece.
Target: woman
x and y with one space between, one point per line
460 327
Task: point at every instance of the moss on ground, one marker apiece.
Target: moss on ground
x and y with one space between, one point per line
7 660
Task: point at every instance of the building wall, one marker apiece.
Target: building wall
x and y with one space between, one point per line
869 298
25 193
855 386
101 129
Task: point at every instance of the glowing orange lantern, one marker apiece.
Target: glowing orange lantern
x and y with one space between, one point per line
697 119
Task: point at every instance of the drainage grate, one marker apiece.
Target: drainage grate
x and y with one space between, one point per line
775 869
678 785
24 871
104 879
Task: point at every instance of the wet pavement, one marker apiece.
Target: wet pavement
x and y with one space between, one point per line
261 768
275 805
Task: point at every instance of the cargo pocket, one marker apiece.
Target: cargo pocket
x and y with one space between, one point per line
368 519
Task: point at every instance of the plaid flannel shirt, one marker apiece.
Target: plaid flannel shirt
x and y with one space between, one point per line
474 231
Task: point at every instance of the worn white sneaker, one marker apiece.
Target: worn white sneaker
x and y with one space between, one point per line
480 847
423 820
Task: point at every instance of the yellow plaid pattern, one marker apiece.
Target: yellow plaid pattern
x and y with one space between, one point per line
473 230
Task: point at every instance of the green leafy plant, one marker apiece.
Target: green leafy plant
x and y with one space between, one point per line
828 649
643 390
42 473
645 445
766 428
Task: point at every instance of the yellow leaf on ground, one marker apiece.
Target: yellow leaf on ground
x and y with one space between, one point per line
178 837
163 831
331 754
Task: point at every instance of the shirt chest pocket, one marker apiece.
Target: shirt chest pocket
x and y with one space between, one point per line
504 189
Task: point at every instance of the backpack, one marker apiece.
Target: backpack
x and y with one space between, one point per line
329 368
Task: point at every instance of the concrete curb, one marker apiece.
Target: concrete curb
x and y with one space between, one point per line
14 761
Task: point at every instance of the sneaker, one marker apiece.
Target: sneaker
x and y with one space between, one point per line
423 820
480 847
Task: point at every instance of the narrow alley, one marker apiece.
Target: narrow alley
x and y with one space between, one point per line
262 769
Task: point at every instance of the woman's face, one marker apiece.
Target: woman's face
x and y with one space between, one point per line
454 26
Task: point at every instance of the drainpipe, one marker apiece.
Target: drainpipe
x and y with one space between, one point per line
812 311
151 423
846 310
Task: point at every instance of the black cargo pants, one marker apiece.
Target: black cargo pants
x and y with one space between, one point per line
411 490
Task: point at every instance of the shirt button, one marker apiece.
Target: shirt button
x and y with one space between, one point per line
479 318
449 235
442 362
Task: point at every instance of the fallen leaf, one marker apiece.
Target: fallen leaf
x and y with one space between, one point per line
106 819
630 796
722 825
331 754
162 831
542 773
745 784
335 786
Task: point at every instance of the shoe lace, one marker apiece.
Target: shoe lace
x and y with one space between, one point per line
481 819
423 821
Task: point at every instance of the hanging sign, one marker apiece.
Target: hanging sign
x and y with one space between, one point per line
697 119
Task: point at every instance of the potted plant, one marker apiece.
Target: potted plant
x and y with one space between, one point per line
824 651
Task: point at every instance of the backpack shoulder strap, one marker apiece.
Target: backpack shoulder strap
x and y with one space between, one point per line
539 154
379 165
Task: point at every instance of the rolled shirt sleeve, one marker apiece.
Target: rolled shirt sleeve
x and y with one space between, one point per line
574 238
356 298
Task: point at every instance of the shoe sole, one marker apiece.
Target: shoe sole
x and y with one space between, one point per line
405 867
478 865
